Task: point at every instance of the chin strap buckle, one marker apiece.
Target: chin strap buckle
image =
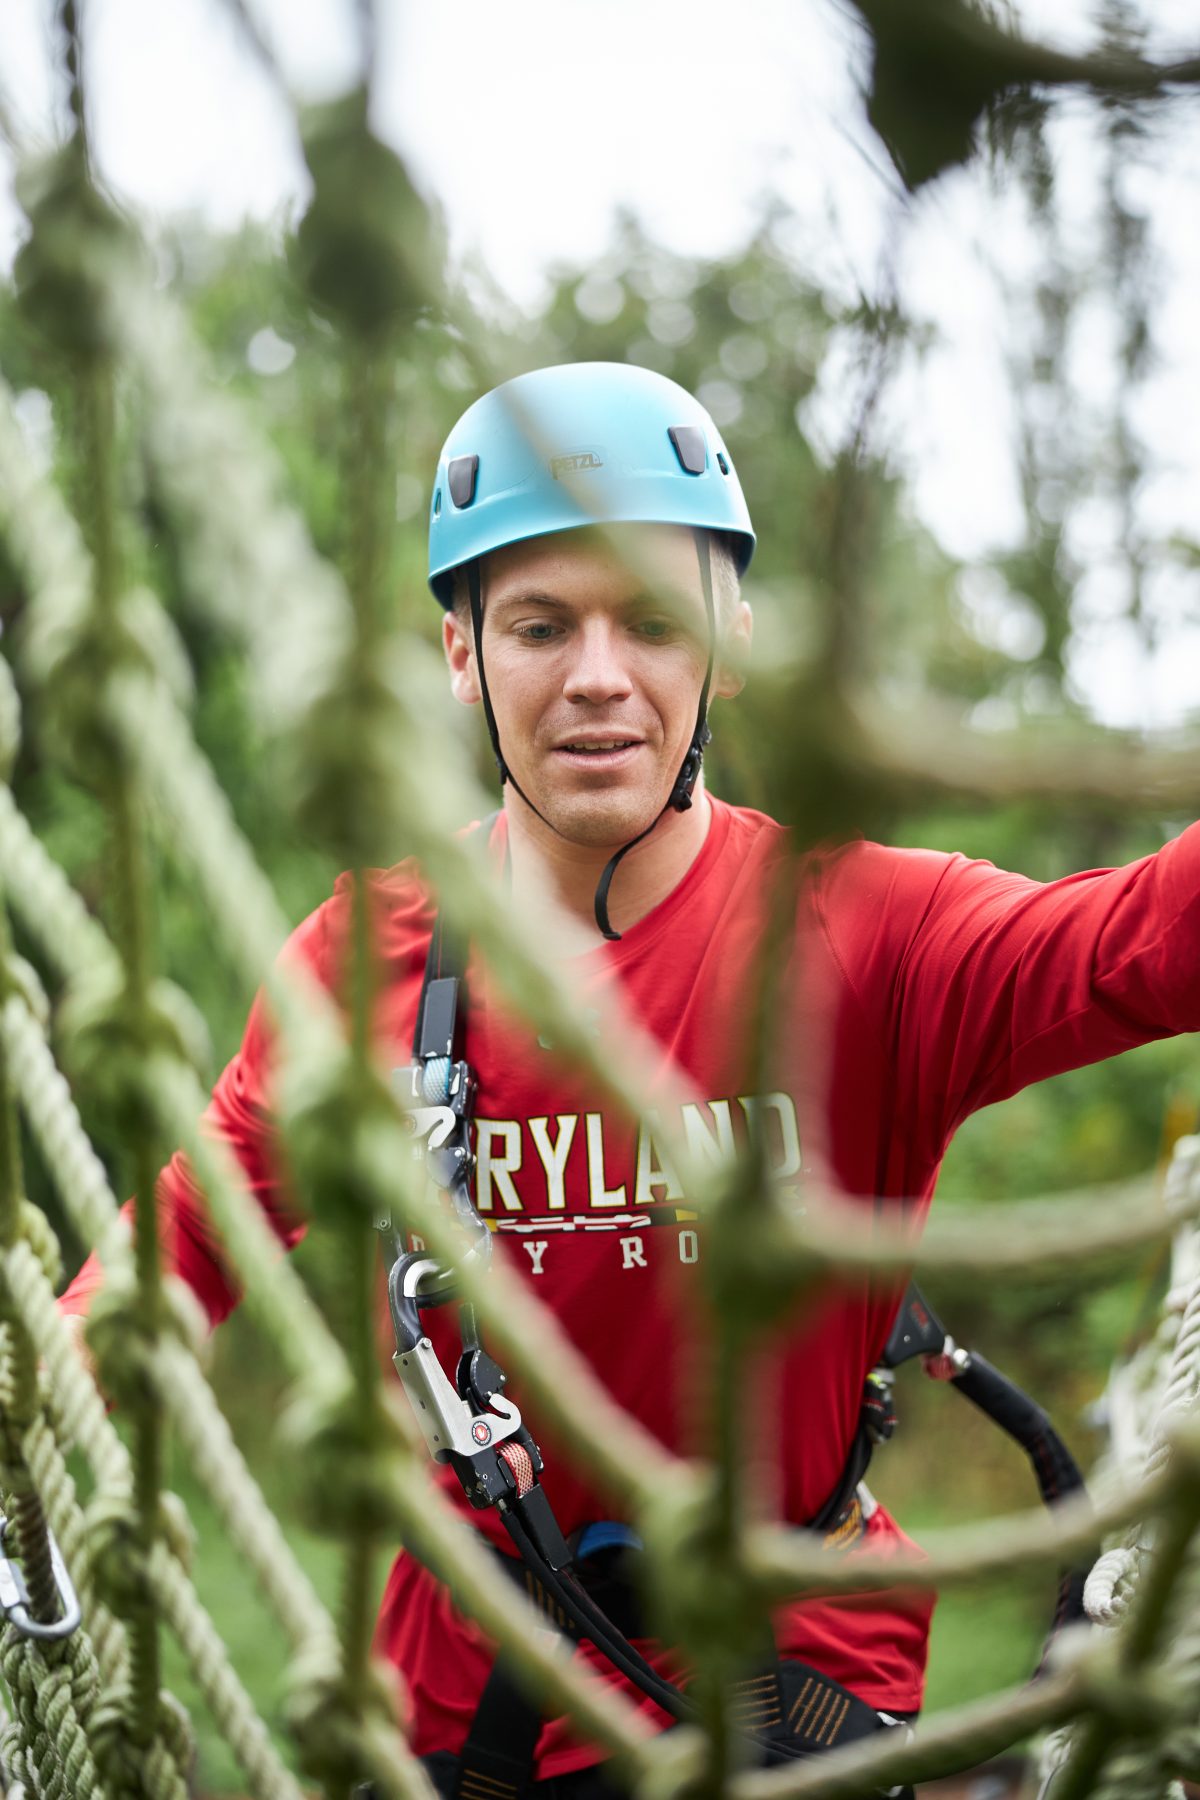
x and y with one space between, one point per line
689 774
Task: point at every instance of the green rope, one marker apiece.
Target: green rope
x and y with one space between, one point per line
353 704
54 1689
251 1525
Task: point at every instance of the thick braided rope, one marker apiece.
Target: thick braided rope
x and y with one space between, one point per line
83 1409
273 1289
48 1466
250 558
88 1425
1159 1388
54 1690
186 422
231 1707
1143 1769
159 1769
10 720
257 1255
79 1175
1113 1578
249 1520
201 819
44 900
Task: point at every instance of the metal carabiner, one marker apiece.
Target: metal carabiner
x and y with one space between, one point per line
449 1424
14 1595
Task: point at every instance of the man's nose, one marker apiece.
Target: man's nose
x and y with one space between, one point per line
597 671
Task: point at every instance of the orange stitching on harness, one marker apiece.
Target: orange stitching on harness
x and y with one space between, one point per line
835 1721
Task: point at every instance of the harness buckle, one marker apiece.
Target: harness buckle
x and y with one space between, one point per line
14 1595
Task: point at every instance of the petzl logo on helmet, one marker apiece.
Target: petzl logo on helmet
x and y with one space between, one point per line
572 461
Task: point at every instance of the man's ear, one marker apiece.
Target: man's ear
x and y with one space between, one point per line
460 657
733 653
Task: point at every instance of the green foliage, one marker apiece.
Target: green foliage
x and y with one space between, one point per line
844 580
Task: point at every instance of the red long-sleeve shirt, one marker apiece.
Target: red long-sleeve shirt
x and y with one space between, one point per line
917 987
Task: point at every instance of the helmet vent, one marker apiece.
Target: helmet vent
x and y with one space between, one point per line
690 447
437 503
461 477
722 464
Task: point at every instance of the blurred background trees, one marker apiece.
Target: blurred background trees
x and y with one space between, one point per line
845 571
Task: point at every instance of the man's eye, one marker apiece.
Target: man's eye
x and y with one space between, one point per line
538 632
655 628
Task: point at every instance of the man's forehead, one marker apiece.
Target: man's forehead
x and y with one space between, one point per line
631 558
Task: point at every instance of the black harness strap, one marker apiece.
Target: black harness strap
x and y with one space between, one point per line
1055 1469
496 1762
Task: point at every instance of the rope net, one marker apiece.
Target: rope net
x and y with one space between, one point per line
353 699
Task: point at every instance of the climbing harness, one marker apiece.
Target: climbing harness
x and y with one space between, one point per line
586 1586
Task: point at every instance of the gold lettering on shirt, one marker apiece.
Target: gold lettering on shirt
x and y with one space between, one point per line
654 1167
554 1155
496 1170
598 1194
703 1146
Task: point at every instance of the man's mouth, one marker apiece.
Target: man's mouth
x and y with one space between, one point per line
598 747
611 753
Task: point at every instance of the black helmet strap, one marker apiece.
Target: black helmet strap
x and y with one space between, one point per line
685 782
475 592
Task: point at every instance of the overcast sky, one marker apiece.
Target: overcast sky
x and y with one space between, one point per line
533 121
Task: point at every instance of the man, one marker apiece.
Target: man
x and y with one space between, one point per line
914 988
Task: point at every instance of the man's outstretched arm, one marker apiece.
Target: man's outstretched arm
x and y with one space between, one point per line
984 981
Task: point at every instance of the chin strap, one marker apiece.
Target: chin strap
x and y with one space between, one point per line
685 782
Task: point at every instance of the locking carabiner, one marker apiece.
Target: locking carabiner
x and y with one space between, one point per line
14 1595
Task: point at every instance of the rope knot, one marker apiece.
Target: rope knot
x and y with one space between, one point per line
355 735
329 1723
351 1458
156 1770
20 981
699 1596
119 1560
344 1138
368 251
98 668
78 247
118 1340
113 1045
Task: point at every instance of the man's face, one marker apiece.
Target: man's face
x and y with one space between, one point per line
595 669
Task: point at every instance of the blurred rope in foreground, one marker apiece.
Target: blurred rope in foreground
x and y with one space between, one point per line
351 699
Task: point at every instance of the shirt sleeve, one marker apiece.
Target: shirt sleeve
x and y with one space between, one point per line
239 1113
985 981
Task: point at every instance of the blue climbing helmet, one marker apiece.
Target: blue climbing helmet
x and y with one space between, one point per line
580 444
